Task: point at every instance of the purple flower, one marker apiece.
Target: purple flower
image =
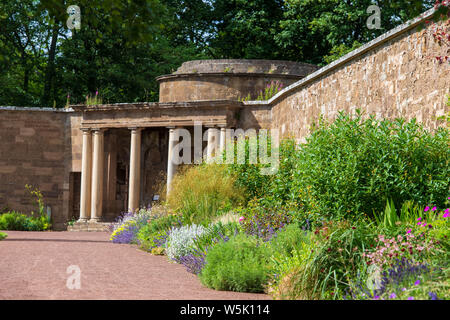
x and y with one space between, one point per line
434 209
433 295
393 296
417 283
410 298
426 208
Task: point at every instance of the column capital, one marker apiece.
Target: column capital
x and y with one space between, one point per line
99 130
86 130
135 129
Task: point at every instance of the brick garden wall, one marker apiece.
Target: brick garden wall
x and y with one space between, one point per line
394 76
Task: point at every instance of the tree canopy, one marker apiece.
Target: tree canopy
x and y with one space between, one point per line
121 46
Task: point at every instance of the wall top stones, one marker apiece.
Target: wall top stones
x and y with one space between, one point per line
12 108
243 66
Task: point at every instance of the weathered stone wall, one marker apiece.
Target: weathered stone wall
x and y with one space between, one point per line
36 149
228 79
394 76
221 86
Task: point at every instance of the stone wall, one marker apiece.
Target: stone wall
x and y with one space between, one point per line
35 149
395 75
228 79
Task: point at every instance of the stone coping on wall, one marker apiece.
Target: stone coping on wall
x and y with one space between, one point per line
252 66
229 74
205 104
348 58
11 108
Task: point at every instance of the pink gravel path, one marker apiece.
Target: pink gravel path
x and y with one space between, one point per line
33 265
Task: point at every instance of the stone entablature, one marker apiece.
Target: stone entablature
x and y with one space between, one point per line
125 115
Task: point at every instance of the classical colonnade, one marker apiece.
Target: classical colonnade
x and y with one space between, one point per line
92 180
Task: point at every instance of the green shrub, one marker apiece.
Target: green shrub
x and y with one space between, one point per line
3 235
20 222
240 264
291 250
203 192
354 166
271 190
155 233
323 264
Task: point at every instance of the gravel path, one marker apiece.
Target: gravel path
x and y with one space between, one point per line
33 265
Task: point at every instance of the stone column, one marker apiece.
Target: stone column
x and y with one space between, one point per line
86 162
135 170
210 149
97 175
171 166
223 131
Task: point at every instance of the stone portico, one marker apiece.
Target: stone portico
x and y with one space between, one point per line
127 149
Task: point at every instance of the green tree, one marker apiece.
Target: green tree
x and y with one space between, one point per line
246 28
312 29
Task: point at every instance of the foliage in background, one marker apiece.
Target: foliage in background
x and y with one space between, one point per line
3 235
20 222
340 51
203 192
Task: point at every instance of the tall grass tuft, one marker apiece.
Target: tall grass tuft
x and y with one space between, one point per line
203 192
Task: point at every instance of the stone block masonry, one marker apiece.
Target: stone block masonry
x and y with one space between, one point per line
33 150
396 75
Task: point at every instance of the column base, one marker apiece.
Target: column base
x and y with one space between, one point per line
95 220
83 220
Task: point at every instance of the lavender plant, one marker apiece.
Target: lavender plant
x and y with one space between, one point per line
127 226
396 282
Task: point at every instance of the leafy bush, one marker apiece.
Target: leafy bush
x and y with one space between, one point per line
271 190
291 250
20 222
156 233
354 166
3 235
181 240
239 264
203 192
